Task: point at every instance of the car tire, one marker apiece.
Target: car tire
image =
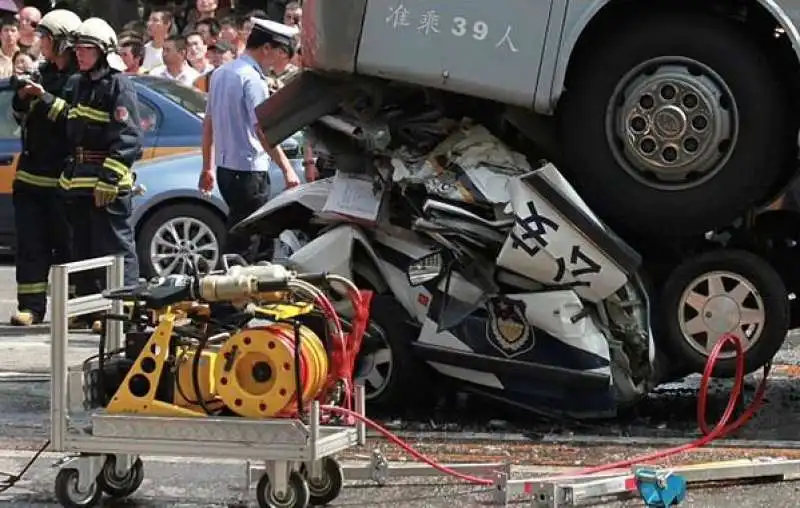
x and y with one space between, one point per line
197 215
635 62
404 379
708 294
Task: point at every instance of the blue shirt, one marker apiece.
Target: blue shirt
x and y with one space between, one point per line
236 88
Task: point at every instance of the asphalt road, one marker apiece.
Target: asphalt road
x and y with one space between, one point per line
24 425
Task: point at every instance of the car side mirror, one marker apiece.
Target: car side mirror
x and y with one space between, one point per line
426 269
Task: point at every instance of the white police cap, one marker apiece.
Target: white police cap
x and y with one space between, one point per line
277 32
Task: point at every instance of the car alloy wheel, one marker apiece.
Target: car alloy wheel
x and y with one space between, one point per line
180 243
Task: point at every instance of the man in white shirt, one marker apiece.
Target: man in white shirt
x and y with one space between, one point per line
9 38
159 25
175 65
197 53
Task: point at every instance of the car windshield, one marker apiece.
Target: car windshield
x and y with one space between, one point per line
190 99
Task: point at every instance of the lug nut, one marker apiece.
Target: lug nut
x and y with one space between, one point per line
699 122
647 101
638 124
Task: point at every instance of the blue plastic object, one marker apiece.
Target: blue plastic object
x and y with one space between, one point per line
659 488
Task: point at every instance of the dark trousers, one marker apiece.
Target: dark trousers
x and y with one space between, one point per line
99 232
43 240
244 192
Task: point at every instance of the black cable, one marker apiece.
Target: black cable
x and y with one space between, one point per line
108 355
11 479
298 382
196 375
101 354
177 379
193 269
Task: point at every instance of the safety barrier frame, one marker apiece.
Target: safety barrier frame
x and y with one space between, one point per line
63 308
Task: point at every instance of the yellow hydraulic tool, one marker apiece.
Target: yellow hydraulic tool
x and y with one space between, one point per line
184 392
255 372
137 393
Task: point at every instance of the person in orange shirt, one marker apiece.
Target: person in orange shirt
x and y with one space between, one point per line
219 53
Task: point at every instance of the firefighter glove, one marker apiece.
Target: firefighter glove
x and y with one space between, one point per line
104 194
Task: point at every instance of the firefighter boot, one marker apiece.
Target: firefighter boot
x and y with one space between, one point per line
25 318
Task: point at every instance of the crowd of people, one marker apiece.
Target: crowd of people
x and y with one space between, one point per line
81 130
184 47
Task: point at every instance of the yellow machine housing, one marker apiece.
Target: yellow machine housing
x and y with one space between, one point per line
184 382
137 394
255 374
252 373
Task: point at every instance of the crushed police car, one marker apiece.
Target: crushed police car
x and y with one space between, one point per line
515 288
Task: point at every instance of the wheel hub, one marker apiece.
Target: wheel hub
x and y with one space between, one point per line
320 485
672 123
285 498
669 122
375 369
180 242
721 314
81 496
717 303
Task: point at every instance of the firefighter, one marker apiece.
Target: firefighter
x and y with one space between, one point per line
42 232
104 134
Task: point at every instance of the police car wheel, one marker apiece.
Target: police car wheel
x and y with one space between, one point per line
718 292
392 376
176 234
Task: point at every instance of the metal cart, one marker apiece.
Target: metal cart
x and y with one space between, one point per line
296 458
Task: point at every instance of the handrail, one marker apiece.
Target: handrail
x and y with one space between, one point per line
64 308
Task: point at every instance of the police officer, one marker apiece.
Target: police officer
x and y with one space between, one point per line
42 233
232 138
104 134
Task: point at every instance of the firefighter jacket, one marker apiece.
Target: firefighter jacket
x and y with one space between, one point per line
101 117
45 150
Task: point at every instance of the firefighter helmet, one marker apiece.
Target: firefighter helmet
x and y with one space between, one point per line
59 24
98 33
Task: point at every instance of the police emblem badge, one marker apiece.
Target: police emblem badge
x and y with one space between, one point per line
508 329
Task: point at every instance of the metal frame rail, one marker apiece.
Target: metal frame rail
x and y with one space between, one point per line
63 309
563 491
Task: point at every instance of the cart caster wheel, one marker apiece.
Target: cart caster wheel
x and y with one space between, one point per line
296 495
326 489
120 486
68 495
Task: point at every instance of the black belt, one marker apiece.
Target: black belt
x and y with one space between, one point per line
90 156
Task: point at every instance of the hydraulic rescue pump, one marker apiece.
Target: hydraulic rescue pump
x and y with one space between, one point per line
241 342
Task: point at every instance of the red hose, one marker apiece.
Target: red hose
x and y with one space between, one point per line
721 429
